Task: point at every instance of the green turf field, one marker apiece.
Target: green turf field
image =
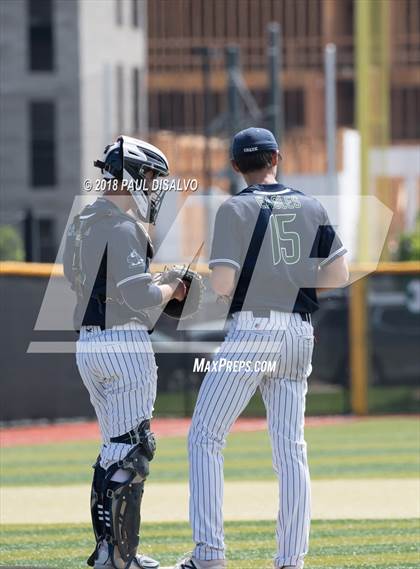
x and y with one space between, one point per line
382 447
375 448
335 400
334 545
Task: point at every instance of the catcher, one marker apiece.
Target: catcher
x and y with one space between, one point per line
106 260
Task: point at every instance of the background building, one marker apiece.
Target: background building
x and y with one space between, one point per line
177 28
75 74
186 99
71 77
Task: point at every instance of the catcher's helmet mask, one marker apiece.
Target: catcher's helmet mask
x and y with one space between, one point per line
130 159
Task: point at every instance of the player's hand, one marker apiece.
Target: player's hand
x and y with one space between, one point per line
180 291
176 284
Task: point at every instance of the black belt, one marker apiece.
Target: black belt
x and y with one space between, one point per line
130 438
133 437
306 316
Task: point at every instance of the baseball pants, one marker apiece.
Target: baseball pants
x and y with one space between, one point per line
287 340
119 370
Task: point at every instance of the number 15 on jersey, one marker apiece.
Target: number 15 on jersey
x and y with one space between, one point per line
285 243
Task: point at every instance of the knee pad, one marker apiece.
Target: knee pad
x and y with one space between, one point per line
142 437
122 500
137 460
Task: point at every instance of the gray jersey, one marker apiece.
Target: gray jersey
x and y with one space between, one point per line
109 267
276 238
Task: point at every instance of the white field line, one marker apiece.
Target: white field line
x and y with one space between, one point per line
331 499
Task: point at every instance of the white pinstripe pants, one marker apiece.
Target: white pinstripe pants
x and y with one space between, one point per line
119 370
222 398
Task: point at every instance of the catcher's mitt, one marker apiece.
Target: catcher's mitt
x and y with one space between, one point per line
179 310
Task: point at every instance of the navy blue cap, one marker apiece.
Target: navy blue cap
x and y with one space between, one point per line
252 140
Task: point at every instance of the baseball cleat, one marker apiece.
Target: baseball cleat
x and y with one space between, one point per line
144 562
139 562
191 563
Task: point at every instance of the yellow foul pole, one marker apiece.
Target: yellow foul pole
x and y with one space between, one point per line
372 118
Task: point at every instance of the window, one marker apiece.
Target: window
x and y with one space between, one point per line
344 14
405 110
345 103
135 13
120 98
182 111
40 238
118 12
293 103
136 102
42 144
40 32
294 109
47 246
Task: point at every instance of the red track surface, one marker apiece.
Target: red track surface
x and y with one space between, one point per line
88 431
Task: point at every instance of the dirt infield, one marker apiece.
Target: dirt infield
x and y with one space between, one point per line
88 430
331 499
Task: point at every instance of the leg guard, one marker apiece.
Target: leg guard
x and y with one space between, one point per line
96 508
122 500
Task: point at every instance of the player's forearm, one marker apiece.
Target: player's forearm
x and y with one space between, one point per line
168 291
139 297
335 275
222 281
